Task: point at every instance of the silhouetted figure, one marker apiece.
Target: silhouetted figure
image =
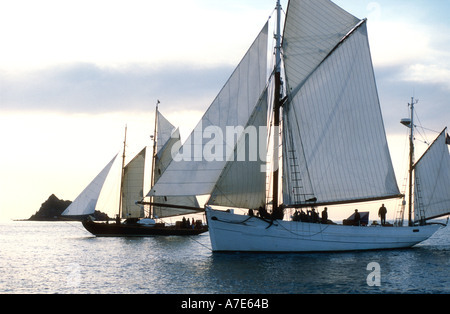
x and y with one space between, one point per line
325 216
357 218
382 214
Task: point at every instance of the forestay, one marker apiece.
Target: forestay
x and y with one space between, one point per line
85 203
432 181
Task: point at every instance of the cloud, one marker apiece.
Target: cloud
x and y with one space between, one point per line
396 89
89 88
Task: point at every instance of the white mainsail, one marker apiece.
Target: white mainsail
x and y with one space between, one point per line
432 181
85 203
336 150
195 170
133 185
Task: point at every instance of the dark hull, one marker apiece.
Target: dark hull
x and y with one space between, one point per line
136 230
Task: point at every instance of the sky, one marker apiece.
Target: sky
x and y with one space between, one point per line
74 73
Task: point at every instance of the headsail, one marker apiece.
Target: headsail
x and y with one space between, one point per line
85 203
336 150
196 169
432 181
167 137
242 183
165 129
162 161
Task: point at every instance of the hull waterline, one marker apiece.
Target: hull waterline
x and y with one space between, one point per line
238 233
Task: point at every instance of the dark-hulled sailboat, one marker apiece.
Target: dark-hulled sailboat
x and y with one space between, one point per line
132 220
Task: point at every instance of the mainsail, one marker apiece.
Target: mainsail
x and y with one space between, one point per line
335 147
85 203
432 181
196 169
133 185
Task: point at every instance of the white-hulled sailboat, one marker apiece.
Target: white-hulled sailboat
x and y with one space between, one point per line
133 220
328 140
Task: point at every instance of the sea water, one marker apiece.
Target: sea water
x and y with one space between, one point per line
62 258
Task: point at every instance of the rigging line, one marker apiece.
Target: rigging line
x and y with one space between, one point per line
198 242
73 225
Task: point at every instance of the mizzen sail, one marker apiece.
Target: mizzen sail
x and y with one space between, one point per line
432 181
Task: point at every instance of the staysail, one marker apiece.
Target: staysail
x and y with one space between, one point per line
85 203
167 137
242 183
162 161
335 146
432 181
198 166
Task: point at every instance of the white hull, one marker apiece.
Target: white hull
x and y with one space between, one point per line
239 233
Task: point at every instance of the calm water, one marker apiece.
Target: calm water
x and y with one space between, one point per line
63 258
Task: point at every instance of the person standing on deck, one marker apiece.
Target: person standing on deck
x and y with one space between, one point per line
382 214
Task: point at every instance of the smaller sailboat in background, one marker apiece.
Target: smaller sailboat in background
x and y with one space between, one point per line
136 222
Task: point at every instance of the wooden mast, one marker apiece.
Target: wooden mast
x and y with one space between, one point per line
277 212
411 164
122 173
154 157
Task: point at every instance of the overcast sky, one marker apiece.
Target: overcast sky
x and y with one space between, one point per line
73 73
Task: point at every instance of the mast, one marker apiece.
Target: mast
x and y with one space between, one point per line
123 173
152 182
276 211
411 163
